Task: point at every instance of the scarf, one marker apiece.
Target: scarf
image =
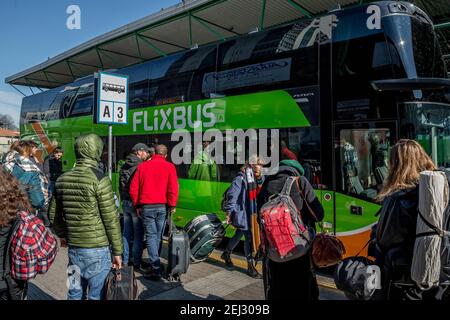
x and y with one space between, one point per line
13 159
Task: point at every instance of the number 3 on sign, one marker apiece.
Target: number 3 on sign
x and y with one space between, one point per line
119 112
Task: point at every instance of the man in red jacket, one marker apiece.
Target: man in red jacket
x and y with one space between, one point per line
154 191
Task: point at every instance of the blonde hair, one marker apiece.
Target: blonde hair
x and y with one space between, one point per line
407 160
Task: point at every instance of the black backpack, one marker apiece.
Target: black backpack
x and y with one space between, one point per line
7 283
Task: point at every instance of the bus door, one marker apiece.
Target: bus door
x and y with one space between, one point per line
361 153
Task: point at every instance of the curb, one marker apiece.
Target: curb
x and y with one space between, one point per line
240 262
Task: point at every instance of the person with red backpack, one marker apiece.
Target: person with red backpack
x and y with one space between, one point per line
27 247
287 196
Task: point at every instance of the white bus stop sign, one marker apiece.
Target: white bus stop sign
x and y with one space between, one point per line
112 103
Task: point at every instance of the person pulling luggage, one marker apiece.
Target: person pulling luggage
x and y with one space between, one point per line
240 203
154 192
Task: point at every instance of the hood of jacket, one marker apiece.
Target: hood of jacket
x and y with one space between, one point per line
132 160
89 147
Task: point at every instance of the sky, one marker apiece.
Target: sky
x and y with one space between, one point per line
32 31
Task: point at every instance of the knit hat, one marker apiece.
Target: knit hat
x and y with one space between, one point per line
294 164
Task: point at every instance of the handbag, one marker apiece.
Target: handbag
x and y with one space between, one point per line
327 249
121 284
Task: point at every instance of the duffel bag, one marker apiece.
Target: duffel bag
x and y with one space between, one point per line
121 284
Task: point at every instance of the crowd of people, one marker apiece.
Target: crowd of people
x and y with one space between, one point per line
40 204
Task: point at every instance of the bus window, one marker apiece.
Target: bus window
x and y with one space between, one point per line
31 107
64 100
303 145
170 90
362 160
84 101
138 94
428 124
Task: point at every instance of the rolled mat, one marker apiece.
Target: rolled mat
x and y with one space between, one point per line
433 199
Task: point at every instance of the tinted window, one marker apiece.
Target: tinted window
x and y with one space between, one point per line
138 94
427 54
31 108
84 101
362 154
356 63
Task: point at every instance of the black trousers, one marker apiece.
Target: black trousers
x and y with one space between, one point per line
289 280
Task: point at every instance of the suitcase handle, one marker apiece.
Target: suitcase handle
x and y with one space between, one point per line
172 226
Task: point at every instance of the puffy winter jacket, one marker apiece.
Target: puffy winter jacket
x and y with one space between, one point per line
83 209
126 173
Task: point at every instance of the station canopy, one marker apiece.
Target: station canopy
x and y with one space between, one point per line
189 24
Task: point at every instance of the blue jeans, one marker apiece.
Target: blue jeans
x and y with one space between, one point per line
51 188
133 232
247 243
87 272
154 222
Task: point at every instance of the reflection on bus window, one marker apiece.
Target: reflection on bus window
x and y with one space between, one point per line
362 160
203 167
303 145
428 124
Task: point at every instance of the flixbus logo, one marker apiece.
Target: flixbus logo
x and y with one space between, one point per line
179 117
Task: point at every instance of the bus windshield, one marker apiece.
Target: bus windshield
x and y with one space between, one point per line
429 124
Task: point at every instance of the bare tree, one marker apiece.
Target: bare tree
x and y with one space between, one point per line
7 122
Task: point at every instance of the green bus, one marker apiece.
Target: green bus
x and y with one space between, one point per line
340 88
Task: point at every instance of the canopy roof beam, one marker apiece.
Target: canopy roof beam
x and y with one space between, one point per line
18 90
152 46
263 15
120 53
217 34
58 73
300 8
444 25
217 25
84 64
162 41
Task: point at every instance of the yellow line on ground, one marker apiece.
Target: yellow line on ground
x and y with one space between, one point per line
322 281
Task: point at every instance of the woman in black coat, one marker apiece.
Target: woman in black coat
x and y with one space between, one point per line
396 229
293 279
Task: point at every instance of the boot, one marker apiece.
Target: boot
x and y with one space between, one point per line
252 272
226 257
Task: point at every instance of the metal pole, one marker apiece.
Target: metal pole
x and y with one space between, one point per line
110 148
434 144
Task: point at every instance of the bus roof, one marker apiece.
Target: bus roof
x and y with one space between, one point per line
186 25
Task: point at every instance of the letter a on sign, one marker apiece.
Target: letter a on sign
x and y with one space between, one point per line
106 111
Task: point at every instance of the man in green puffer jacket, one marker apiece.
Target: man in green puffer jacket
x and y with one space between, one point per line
84 216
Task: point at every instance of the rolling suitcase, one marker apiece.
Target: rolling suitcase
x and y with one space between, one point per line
179 252
205 233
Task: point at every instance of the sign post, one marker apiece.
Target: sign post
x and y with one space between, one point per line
112 105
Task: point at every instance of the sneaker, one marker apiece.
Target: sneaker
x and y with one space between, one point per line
226 257
252 272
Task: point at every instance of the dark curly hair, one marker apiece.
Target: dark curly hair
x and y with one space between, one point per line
12 198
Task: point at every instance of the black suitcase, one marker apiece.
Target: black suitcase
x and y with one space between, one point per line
121 284
179 252
205 233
